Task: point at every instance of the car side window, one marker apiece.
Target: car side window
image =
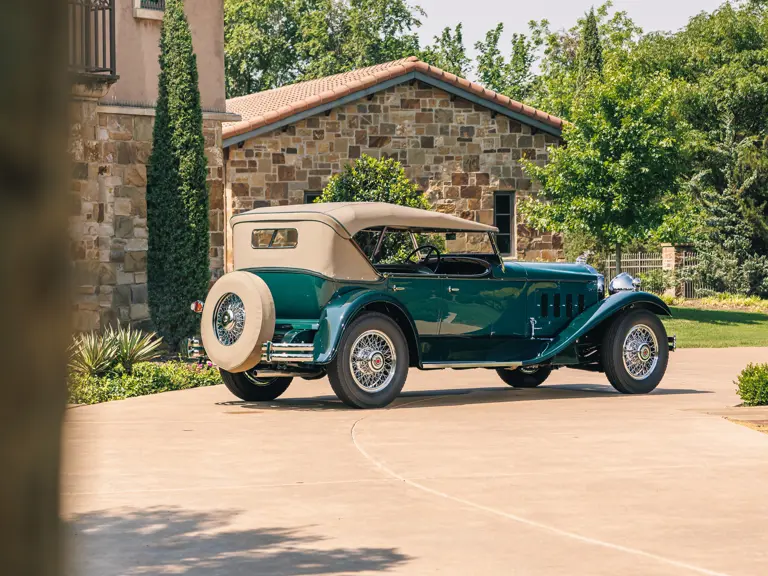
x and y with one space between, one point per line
274 238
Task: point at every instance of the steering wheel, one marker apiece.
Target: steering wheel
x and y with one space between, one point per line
430 249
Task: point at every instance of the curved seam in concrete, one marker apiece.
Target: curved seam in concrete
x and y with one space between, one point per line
516 518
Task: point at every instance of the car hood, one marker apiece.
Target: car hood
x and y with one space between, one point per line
552 271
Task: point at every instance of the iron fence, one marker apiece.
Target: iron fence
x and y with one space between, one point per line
691 286
635 263
92 36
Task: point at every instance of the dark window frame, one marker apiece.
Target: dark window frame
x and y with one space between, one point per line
311 194
512 215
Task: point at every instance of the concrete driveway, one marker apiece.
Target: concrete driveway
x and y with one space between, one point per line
463 475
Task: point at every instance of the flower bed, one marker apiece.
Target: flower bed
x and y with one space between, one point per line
145 378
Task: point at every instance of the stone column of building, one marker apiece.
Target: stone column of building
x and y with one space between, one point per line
110 147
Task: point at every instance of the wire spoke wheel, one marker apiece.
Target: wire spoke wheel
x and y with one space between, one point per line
229 319
373 361
640 352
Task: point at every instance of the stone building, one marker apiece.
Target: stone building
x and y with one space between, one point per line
114 59
461 144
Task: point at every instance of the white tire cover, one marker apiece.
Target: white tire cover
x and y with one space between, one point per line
259 325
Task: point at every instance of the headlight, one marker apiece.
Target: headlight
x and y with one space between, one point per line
623 283
601 286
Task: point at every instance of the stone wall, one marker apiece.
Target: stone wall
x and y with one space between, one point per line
108 220
459 153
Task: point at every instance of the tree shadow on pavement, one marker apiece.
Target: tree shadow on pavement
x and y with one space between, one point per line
172 540
463 396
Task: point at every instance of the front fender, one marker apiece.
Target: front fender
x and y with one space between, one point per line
596 315
338 314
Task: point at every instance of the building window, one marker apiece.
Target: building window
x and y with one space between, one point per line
504 220
309 197
148 9
152 4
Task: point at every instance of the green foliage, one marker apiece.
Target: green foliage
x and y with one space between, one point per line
658 281
177 194
133 346
448 52
92 354
621 165
752 385
147 378
512 77
275 42
373 180
260 39
96 354
590 55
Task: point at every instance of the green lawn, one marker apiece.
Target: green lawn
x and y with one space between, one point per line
698 328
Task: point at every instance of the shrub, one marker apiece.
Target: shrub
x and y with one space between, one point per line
657 281
133 346
372 180
92 354
147 378
177 195
752 385
726 300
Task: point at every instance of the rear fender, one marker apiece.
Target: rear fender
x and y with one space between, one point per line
343 309
595 316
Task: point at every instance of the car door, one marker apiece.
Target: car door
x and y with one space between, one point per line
421 296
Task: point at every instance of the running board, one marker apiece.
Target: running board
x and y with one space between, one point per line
470 364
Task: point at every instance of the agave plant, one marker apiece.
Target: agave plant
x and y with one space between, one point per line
133 346
92 354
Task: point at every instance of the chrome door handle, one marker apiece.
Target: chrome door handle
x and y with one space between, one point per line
397 288
452 289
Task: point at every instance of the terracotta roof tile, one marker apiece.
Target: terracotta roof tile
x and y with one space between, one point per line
268 107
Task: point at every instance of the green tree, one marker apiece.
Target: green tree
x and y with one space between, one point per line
513 76
372 180
260 41
618 175
448 52
270 43
590 56
721 61
177 195
341 35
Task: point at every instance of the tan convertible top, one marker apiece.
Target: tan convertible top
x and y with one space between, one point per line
349 218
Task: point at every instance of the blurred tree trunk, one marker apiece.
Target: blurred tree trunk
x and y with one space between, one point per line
34 290
618 259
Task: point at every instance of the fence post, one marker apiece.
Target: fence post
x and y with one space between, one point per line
669 262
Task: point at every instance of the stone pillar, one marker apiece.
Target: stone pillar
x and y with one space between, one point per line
110 147
671 261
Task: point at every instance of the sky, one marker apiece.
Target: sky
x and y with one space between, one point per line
479 16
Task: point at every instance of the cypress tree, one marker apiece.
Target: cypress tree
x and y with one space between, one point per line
177 194
590 55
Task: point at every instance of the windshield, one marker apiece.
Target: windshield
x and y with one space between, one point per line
388 245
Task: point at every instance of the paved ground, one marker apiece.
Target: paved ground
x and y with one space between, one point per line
462 476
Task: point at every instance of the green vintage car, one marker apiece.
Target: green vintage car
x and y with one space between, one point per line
363 292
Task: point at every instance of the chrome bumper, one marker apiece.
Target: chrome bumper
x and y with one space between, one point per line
270 352
672 343
287 352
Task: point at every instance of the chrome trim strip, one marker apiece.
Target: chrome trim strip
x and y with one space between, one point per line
283 374
470 364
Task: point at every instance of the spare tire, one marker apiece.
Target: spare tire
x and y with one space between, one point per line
238 317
